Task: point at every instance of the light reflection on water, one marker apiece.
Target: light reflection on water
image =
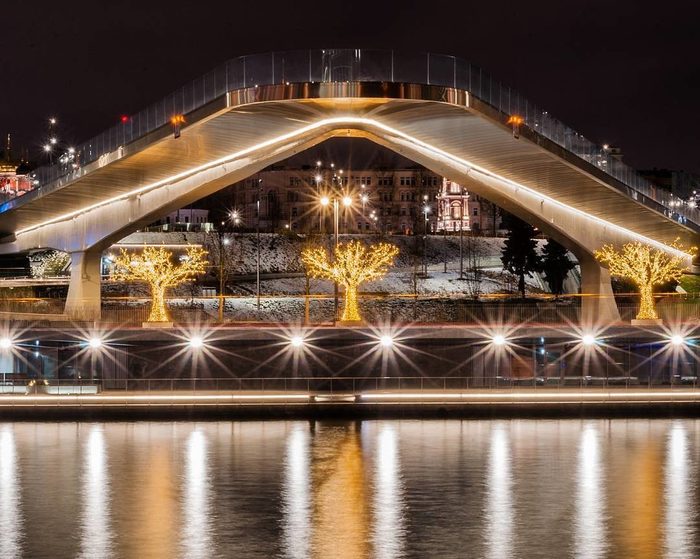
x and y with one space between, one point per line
590 526
96 534
10 498
384 489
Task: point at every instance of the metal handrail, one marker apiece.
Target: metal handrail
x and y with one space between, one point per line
364 65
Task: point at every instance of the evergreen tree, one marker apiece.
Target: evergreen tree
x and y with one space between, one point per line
555 265
519 255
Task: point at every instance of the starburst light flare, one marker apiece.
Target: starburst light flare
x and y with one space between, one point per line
354 263
155 266
646 266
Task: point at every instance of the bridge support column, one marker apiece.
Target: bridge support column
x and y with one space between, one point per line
598 306
83 301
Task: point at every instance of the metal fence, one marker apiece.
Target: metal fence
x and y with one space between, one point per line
338 384
341 65
318 309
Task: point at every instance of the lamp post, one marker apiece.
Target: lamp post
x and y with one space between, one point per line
347 203
257 245
426 210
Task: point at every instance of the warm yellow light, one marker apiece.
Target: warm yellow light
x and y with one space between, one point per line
347 201
176 120
646 267
515 119
155 267
354 264
196 342
386 341
325 201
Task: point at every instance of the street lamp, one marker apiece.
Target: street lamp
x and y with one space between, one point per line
347 203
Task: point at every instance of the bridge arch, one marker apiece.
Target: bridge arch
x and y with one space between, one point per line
441 128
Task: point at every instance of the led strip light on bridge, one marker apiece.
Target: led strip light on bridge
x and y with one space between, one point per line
342 122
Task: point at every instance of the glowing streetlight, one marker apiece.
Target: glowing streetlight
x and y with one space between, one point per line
296 341
53 141
325 200
588 339
47 148
386 341
677 340
95 342
196 342
52 121
498 339
5 343
347 201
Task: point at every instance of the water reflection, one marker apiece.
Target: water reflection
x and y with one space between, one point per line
341 515
679 532
10 497
196 528
499 500
448 489
296 495
388 533
96 536
590 528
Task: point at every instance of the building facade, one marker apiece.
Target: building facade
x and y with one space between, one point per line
459 210
302 200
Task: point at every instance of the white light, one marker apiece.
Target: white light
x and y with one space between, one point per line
677 339
498 339
95 343
587 339
347 201
53 141
318 163
364 198
297 341
318 178
344 121
71 150
5 343
386 341
325 201
47 148
196 342
52 120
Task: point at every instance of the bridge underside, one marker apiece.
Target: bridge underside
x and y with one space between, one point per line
230 140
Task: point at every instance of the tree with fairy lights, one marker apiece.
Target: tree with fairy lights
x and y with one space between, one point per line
156 267
646 267
353 264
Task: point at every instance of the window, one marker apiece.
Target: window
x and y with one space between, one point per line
294 211
475 211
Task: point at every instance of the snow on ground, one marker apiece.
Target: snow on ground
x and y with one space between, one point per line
279 254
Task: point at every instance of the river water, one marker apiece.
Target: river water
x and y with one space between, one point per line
491 489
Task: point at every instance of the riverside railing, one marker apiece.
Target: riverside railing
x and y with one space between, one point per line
338 384
318 309
361 65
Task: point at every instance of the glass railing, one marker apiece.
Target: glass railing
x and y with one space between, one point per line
360 65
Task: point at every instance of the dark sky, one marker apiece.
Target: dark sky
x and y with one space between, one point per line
625 73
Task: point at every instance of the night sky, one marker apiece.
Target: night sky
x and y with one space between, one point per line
617 71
